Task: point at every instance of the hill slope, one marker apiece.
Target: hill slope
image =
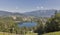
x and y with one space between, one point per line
41 13
6 13
53 33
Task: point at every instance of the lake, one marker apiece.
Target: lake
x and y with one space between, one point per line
27 24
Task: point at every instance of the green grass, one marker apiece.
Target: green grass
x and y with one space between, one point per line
31 34
53 33
3 33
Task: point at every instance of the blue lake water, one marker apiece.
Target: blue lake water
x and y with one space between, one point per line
27 24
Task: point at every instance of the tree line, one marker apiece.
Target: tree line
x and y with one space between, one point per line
52 25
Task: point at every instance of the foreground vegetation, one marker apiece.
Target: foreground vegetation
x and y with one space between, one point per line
52 25
53 33
4 33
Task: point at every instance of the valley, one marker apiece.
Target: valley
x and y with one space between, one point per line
20 24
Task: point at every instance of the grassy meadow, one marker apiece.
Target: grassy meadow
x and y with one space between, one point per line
4 33
53 33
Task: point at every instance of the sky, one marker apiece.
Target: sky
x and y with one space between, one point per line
22 6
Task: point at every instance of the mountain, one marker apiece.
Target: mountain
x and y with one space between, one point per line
41 13
37 13
2 13
6 13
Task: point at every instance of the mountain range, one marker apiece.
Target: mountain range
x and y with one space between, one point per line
37 13
6 13
41 13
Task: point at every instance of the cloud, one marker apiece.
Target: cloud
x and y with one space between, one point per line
40 7
17 8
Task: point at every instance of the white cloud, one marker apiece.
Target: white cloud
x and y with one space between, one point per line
40 7
17 8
